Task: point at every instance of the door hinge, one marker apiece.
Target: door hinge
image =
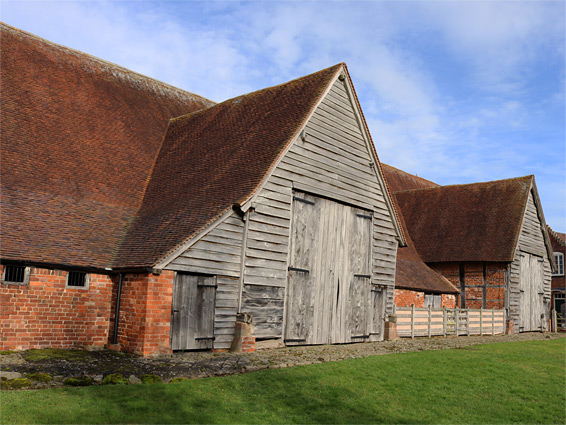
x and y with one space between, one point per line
306 201
295 269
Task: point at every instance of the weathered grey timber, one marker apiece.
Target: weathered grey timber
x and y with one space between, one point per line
313 257
192 316
528 298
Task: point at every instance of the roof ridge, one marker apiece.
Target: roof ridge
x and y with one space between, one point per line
99 61
409 174
556 235
440 187
255 92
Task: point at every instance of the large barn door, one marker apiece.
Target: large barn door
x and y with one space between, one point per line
192 316
360 287
329 286
301 283
531 293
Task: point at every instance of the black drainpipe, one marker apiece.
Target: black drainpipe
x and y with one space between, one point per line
117 317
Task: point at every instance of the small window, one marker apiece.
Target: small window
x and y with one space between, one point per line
77 279
434 301
14 274
559 260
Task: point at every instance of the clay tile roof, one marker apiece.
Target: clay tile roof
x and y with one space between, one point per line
472 222
557 238
216 158
411 271
400 180
79 139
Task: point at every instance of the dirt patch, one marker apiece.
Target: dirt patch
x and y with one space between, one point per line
64 364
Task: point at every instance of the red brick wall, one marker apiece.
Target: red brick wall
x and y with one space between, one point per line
449 300
145 313
45 313
406 298
557 281
494 286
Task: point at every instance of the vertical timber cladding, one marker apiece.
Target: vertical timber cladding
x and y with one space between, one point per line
531 289
530 275
192 314
333 161
330 297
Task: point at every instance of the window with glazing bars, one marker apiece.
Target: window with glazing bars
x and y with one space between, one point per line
13 273
77 279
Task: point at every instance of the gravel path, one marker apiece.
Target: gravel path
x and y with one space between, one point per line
98 364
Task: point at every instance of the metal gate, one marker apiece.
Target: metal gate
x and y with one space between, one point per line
192 315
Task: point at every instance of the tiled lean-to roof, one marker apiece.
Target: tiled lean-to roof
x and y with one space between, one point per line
79 138
411 271
215 158
470 222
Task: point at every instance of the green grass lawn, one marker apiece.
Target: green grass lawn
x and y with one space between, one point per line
519 382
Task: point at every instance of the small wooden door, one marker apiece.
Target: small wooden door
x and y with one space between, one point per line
378 310
531 287
192 315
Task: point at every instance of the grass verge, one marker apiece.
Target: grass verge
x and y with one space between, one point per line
517 382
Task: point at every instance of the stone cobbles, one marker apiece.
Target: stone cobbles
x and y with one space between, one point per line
99 364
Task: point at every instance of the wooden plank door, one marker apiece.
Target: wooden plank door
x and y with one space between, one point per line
377 311
360 299
304 247
531 286
192 316
329 285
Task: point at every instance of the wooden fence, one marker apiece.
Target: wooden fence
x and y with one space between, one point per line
558 323
413 321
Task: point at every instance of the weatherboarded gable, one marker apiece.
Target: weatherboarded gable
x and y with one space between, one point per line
530 272
322 205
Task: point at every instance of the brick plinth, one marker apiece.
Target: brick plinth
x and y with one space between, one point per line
145 313
390 332
46 313
244 339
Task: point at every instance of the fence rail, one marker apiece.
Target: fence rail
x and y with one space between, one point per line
415 321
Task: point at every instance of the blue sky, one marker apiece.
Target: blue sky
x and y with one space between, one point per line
454 91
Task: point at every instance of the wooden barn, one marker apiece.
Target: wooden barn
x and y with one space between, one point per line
490 240
142 215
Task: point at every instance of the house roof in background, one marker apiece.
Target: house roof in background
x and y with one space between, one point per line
472 222
217 157
557 237
80 137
